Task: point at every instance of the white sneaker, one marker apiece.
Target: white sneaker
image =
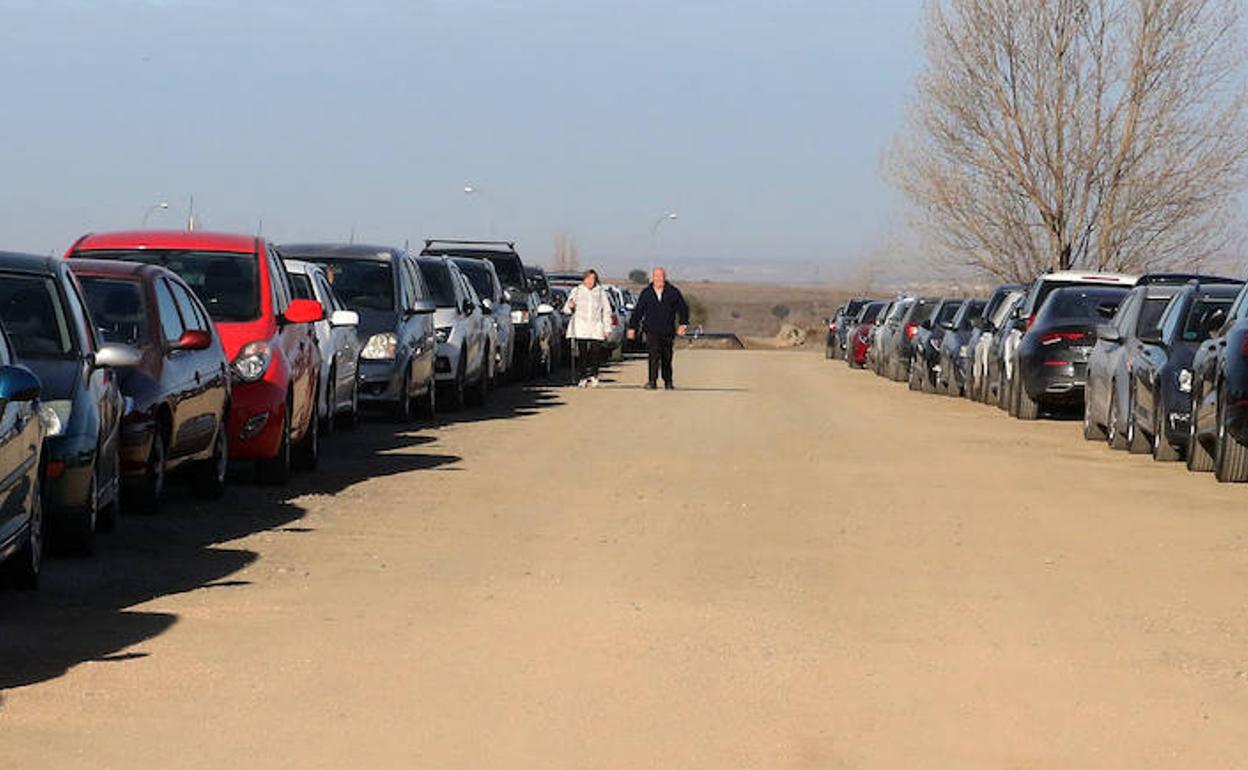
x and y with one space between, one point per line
583 384
593 382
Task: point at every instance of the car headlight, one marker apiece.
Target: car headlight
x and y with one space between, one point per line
380 347
1185 380
253 361
55 416
519 316
442 333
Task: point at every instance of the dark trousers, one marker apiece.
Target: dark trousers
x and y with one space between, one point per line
588 358
659 349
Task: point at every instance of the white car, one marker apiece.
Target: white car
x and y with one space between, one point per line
619 323
464 364
983 344
484 279
339 343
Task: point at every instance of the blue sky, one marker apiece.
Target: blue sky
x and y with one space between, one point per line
760 122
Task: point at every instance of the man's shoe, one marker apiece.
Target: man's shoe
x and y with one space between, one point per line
651 386
668 386
593 382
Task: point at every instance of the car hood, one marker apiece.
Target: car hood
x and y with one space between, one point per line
58 376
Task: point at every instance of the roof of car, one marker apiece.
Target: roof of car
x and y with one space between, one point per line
169 239
361 251
114 267
34 263
1182 278
1091 276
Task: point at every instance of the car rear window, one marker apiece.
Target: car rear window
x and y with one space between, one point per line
1081 302
118 309
947 311
228 283
871 313
31 310
301 285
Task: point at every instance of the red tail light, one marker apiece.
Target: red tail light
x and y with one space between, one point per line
911 330
1031 319
615 320
1052 338
832 328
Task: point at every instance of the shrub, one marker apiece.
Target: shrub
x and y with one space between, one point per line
780 311
638 277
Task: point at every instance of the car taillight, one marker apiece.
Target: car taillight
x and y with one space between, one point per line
832 328
1052 338
1031 319
911 330
615 320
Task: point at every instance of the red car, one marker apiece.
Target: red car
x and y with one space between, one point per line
860 332
266 332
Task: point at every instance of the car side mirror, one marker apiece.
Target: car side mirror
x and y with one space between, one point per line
1213 321
1108 333
193 339
303 311
544 309
17 383
115 356
487 305
344 318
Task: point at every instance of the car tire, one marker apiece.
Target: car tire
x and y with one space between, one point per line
1199 459
912 381
1027 408
22 569
401 409
1230 463
1163 450
478 394
275 471
76 537
331 404
427 405
351 420
308 450
208 480
1116 439
1091 430
150 490
1137 443
827 353
455 395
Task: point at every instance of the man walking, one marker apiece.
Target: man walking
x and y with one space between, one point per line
661 313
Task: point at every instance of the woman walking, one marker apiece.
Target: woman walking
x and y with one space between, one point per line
591 322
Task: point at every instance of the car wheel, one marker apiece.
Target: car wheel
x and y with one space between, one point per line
913 380
428 403
1091 430
77 537
1027 408
1116 438
276 469
22 569
477 396
455 391
402 408
331 404
1231 461
1199 459
308 452
1163 450
1137 443
208 481
151 490
827 352
351 420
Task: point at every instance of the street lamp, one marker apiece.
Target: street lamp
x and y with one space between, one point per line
163 205
654 234
473 190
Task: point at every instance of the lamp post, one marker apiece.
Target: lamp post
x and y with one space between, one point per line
162 206
474 191
654 236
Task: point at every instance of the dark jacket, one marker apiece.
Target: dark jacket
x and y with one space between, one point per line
660 316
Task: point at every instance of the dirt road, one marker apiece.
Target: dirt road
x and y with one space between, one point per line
823 571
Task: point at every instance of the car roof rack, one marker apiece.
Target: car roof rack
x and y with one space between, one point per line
460 242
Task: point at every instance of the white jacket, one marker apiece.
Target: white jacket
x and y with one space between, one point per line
591 313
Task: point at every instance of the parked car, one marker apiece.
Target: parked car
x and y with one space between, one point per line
925 345
886 333
50 331
484 279
1107 402
862 329
614 343
996 363
839 327
1024 316
1162 374
384 288
1050 367
21 472
1218 439
177 399
464 361
900 354
954 359
338 339
267 333
996 311
531 319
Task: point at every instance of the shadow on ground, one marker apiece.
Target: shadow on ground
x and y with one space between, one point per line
82 610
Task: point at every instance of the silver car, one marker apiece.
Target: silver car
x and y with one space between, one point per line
339 343
494 301
465 362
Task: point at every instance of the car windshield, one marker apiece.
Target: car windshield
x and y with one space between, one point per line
1082 302
118 309
360 284
478 275
438 279
228 283
301 285
31 310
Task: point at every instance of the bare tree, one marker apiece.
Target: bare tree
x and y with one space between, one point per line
1076 133
567 253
